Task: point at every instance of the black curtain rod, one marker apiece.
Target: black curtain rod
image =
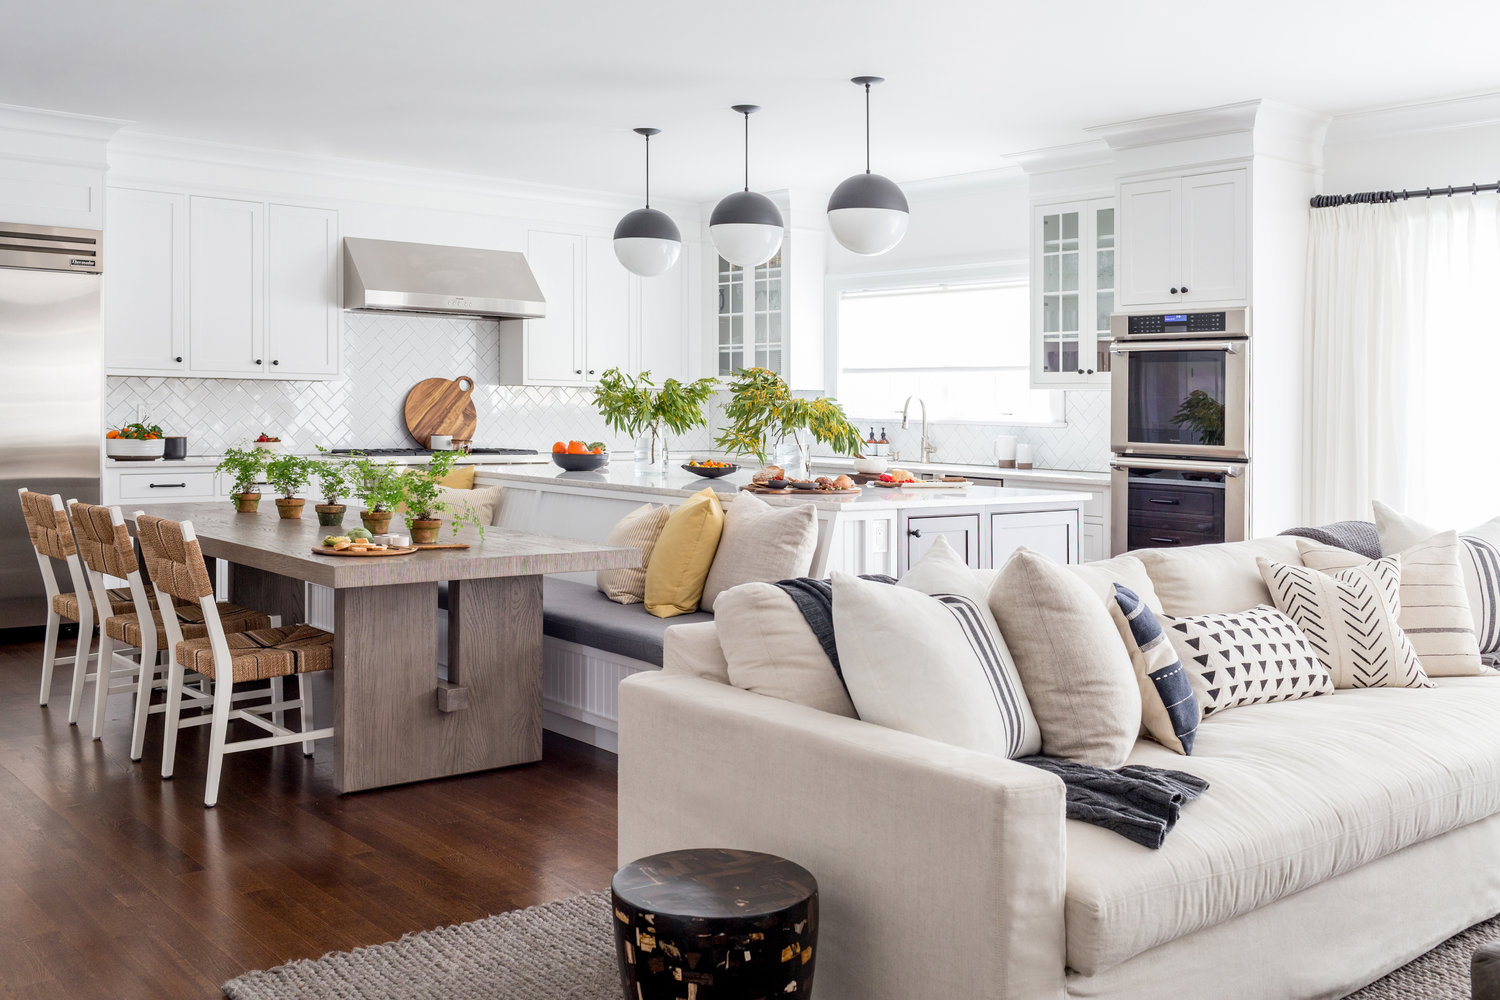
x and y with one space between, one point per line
1386 197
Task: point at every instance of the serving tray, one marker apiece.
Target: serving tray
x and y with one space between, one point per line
324 550
922 484
752 488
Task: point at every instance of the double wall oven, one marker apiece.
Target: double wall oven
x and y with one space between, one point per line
1179 428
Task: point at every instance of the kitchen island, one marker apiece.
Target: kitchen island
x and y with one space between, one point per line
877 530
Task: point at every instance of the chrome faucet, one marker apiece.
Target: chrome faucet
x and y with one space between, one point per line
928 448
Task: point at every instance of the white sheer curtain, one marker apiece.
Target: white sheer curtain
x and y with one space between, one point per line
1404 360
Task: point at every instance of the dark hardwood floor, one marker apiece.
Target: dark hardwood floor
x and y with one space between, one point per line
114 883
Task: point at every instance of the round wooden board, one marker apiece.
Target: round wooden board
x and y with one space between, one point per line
324 550
441 406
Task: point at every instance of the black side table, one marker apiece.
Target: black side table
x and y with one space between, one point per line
712 924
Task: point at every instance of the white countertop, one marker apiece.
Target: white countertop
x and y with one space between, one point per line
1072 476
212 461
620 476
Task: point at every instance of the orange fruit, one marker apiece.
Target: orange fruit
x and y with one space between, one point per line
597 451
113 434
577 448
558 447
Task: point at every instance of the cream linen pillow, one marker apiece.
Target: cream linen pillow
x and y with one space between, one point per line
1071 660
772 651
683 554
1481 566
761 544
637 530
1101 577
481 501
1350 618
1214 579
1434 603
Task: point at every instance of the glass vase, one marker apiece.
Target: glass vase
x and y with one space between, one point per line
651 450
792 456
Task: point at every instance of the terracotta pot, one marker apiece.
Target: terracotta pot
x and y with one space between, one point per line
246 503
331 515
377 522
425 532
290 508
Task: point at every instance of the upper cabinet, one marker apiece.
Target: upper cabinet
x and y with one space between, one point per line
1072 292
771 315
1185 240
221 287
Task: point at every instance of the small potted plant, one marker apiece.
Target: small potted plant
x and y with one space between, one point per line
244 466
333 484
380 486
762 411
422 494
633 405
288 474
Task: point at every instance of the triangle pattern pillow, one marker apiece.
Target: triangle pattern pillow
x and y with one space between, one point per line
1249 657
1351 618
1481 566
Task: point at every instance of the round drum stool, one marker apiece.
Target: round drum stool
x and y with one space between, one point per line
714 924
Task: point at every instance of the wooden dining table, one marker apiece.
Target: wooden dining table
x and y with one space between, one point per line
395 718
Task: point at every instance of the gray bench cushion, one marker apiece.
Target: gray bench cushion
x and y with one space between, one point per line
577 612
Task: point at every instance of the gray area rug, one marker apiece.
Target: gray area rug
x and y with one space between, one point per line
564 951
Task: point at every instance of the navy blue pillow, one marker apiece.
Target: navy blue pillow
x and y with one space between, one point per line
1150 648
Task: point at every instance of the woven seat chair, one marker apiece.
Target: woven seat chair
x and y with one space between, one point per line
105 547
175 563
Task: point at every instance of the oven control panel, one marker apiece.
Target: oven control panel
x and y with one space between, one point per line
1209 322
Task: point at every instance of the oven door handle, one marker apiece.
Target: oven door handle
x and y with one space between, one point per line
1230 469
1227 346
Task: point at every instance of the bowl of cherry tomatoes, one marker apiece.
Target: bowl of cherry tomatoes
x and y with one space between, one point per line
710 469
576 456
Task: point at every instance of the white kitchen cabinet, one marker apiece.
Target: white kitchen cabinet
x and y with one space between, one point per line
1185 240
226 286
607 310
303 321
663 304
1072 293
920 532
1050 532
1094 545
552 346
145 284
771 315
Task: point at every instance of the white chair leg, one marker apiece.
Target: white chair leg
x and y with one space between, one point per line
144 684
173 712
49 653
102 675
304 692
278 698
81 656
223 698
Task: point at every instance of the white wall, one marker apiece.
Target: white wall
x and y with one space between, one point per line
1412 160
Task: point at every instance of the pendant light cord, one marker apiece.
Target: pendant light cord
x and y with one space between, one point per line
648 171
747 151
867 128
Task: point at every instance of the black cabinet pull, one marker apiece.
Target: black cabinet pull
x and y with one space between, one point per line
591 371
577 371
1184 289
1169 503
167 486
914 532
1091 371
1080 371
1174 291
178 359
259 361
1167 541
275 362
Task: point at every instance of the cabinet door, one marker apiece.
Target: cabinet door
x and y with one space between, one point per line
1051 532
1059 305
1215 237
1094 548
554 343
961 531
146 291
302 304
1150 229
607 310
663 335
226 286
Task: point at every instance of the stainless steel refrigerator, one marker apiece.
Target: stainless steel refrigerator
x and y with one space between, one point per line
51 391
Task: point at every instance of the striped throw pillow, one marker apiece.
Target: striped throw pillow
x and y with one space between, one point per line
1169 708
1481 566
1434 602
638 530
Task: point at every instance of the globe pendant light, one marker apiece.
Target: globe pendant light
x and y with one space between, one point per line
867 212
746 226
647 241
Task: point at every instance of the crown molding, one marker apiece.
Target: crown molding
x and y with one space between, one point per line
1226 119
958 185
1471 111
13 117
1073 156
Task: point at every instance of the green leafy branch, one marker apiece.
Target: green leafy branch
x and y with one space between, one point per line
762 409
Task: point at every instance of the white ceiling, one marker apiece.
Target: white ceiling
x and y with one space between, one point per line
547 91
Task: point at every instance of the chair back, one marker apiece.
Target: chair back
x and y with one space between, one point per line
47 524
174 559
103 540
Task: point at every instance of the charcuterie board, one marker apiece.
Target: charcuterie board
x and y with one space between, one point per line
752 488
325 550
922 484
442 545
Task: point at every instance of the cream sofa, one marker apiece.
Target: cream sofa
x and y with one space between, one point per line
1342 835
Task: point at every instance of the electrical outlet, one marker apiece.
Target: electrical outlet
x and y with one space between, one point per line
880 536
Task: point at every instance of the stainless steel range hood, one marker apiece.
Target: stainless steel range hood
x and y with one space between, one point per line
387 276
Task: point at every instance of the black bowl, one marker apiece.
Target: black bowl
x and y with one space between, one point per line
711 471
580 463
774 484
803 484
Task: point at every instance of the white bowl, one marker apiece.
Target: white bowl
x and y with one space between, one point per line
137 450
267 445
870 466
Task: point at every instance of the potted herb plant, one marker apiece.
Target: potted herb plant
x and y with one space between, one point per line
635 405
762 413
244 466
333 483
422 494
288 474
380 486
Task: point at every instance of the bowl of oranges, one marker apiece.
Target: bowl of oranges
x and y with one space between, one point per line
576 456
135 443
710 469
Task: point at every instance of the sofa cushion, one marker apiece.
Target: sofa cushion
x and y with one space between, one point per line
639 530
761 543
1169 708
1481 565
771 650
1250 657
579 613
1213 579
1299 792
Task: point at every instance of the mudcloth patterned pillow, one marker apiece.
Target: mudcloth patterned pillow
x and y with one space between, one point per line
1246 658
1168 706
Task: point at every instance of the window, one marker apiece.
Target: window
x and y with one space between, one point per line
963 348
750 300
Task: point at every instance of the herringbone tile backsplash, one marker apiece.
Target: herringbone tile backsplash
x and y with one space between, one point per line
385 355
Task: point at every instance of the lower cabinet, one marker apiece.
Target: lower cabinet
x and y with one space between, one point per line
961 531
985 538
1051 532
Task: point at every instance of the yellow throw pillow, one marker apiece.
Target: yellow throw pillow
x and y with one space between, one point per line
461 478
683 555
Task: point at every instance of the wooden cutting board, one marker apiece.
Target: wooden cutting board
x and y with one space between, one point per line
441 406
324 550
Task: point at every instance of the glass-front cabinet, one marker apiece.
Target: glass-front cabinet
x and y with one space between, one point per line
750 317
1072 292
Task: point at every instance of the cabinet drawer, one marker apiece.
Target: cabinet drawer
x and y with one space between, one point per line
1176 499
197 484
1143 537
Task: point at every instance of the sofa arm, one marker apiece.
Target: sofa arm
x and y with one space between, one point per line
940 869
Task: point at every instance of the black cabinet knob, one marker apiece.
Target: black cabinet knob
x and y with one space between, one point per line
577 371
178 359
1091 371
1080 371
914 532
275 362
591 371
1184 289
1174 291
259 361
